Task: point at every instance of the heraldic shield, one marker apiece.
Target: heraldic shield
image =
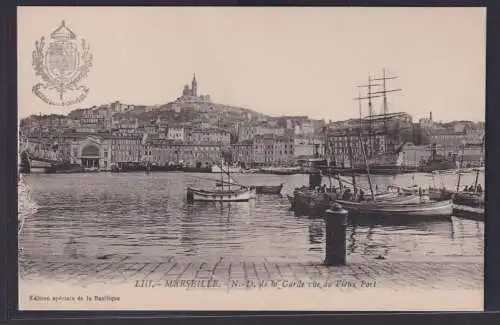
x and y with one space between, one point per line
63 66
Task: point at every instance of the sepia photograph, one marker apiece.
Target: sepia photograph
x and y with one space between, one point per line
251 158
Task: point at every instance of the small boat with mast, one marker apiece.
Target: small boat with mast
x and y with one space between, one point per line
224 193
472 196
228 191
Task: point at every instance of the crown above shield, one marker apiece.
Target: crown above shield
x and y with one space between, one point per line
63 33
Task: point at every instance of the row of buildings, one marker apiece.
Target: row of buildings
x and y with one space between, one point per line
193 131
202 147
104 150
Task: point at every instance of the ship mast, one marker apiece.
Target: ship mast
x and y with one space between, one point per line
383 93
369 96
222 159
480 165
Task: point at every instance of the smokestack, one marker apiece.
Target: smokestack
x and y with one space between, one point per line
430 116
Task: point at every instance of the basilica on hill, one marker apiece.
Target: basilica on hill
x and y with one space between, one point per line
191 94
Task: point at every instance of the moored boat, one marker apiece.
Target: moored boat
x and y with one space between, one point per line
229 191
472 199
226 169
269 189
281 170
238 195
259 189
407 199
469 199
467 212
424 209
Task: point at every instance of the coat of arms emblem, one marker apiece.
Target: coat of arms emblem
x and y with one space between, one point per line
63 66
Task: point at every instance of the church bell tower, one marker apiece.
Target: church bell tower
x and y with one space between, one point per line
194 86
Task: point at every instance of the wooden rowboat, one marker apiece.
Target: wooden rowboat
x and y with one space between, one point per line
239 195
424 209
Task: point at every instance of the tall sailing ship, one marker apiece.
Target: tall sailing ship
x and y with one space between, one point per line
383 135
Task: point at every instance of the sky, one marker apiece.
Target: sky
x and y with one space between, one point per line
277 61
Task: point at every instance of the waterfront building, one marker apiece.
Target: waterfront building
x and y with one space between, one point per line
474 135
126 149
102 150
166 151
344 145
43 148
382 136
309 145
414 156
187 153
449 139
273 150
242 153
91 150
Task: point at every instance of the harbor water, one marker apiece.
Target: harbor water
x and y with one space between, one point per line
146 216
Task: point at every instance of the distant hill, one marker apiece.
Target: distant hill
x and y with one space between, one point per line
172 113
214 114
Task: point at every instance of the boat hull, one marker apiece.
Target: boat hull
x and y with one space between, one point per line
408 199
217 169
281 171
309 200
220 196
466 212
468 199
269 189
427 209
460 198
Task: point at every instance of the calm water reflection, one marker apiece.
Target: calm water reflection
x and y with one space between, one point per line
146 216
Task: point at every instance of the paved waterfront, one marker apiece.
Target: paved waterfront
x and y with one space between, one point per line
456 273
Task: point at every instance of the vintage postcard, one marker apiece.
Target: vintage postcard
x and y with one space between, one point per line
177 158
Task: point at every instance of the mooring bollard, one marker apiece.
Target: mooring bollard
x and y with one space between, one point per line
336 223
